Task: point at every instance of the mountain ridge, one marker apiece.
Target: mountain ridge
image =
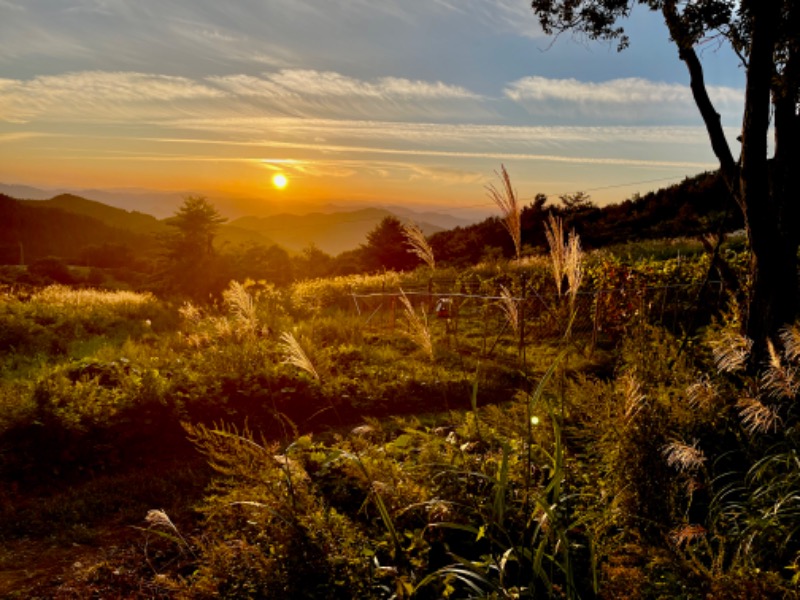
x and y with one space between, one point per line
331 232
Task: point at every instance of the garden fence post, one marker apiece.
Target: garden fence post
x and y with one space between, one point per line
598 299
522 301
430 295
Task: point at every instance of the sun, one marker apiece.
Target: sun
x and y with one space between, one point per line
279 181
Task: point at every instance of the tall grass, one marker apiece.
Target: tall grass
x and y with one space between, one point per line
418 330
295 355
505 197
241 304
566 257
419 244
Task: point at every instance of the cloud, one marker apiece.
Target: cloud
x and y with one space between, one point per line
297 83
625 100
448 175
18 136
364 153
114 96
502 16
205 38
443 135
11 5
96 95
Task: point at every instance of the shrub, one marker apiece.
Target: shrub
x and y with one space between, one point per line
51 269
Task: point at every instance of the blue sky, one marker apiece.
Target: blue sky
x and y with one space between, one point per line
413 101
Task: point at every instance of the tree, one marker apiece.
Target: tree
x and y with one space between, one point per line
197 222
577 202
387 247
257 261
312 263
532 219
765 34
190 265
51 268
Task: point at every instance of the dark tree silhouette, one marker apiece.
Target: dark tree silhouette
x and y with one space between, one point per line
190 265
577 202
197 222
312 263
51 268
766 37
270 263
387 247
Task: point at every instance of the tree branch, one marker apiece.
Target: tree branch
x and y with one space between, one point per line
711 117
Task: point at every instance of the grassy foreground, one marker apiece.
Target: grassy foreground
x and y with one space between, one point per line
286 444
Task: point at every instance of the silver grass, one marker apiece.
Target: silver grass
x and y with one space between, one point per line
573 265
702 394
509 306
223 328
240 303
684 457
418 330
554 232
757 417
506 199
634 398
790 338
295 355
779 380
189 312
730 352
157 517
419 244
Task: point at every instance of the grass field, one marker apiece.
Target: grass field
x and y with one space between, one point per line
294 443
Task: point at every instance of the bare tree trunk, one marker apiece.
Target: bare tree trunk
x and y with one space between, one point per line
767 195
773 265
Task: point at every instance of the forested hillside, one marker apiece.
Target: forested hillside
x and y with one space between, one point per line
696 206
30 231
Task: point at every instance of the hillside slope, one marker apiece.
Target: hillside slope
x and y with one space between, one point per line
29 231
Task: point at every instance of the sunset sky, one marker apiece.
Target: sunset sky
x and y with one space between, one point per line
380 101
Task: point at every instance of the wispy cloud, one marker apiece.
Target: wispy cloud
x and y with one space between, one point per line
327 149
504 16
99 95
96 95
11 5
297 83
622 100
18 136
445 174
255 128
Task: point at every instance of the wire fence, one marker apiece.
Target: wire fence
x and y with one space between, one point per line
600 315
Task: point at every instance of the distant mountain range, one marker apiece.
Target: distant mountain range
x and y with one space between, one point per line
62 224
162 205
330 232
